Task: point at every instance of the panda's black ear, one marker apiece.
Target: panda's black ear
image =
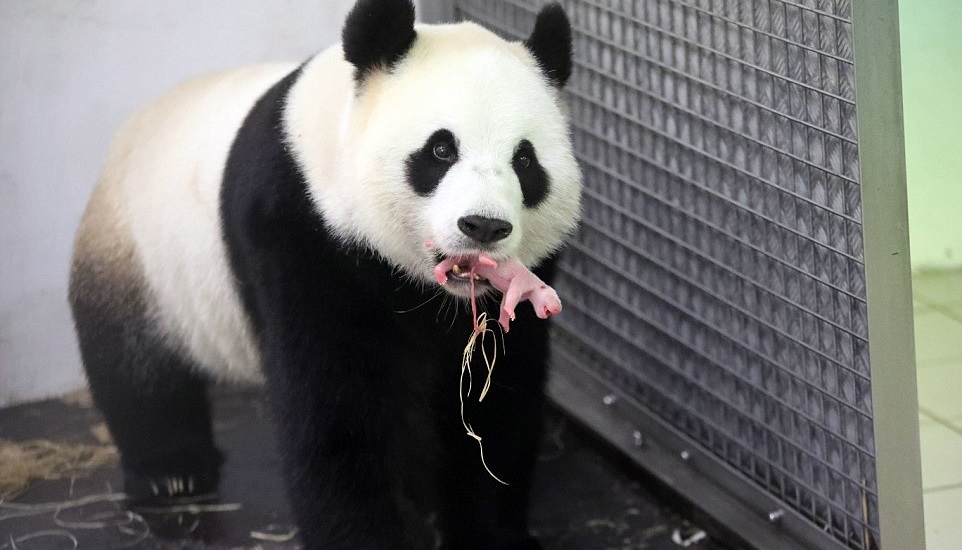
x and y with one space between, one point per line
550 43
377 34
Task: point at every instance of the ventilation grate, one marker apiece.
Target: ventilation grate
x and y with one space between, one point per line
718 275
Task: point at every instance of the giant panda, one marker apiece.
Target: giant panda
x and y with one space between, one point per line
281 225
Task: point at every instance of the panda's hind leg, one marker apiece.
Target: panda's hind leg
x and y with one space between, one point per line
157 410
154 401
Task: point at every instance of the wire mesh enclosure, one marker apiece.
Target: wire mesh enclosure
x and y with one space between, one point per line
718 277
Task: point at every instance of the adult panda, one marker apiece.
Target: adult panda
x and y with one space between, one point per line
282 224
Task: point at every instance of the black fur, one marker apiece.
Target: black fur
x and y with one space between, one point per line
533 178
364 388
550 43
377 34
424 169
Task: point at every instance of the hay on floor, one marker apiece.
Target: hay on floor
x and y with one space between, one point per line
24 462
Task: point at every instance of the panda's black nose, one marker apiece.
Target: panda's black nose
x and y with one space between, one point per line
484 230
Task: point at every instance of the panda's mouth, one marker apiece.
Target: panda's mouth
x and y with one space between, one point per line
460 273
465 273
513 279
462 270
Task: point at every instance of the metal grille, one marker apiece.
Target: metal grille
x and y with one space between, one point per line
718 275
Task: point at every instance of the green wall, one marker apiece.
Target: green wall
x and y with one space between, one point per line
932 86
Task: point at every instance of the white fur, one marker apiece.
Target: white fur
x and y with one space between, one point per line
169 159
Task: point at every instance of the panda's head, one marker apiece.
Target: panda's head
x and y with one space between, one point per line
456 140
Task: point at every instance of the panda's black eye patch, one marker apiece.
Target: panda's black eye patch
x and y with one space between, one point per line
531 175
427 166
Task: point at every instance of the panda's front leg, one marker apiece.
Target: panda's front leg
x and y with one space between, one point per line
340 418
480 512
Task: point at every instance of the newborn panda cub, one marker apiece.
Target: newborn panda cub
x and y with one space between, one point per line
290 225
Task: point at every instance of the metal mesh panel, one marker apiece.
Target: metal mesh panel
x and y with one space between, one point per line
718 275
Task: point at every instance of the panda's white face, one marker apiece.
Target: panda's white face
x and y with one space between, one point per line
463 146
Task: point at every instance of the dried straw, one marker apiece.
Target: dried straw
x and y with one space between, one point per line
23 462
478 336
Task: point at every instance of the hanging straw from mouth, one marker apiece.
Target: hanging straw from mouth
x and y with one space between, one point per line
479 333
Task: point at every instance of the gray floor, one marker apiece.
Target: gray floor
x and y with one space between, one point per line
938 343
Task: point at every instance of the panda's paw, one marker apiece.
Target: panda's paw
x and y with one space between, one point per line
149 490
167 477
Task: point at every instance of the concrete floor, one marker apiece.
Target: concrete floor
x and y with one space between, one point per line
585 498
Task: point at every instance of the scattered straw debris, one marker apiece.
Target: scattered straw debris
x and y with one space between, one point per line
100 432
128 526
687 537
56 534
478 337
275 533
12 510
24 462
191 508
85 513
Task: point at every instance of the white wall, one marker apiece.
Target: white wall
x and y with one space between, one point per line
70 72
931 44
